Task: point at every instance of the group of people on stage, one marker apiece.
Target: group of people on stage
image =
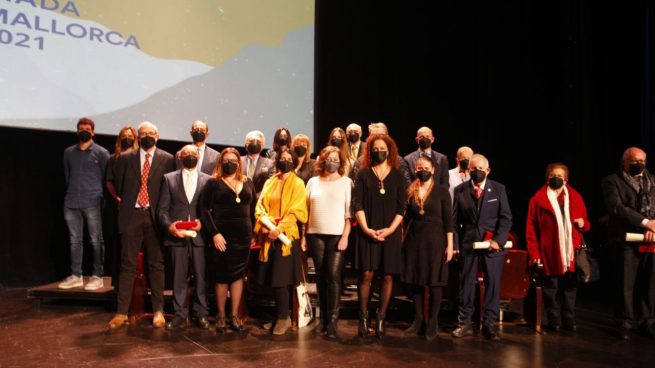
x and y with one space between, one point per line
404 218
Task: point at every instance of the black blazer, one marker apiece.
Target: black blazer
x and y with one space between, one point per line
621 203
264 169
440 162
472 224
208 161
174 206
128 171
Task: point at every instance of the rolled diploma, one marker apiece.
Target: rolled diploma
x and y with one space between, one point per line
634 237
487 244
189 233
266 222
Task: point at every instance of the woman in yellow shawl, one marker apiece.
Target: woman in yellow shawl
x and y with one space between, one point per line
283 202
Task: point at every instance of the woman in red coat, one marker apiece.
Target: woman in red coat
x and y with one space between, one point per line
557 216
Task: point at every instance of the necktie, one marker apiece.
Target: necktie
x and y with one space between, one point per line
251 168
143 199
478 192
353 152
189 189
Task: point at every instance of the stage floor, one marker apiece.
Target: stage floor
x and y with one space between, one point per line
72 333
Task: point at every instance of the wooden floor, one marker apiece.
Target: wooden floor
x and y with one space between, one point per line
71 333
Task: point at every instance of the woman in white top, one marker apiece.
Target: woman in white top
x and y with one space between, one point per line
326 236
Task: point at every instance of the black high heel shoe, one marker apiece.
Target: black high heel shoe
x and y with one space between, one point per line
236 324
380 331
362 328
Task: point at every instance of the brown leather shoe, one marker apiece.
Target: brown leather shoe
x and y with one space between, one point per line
116 322
158 320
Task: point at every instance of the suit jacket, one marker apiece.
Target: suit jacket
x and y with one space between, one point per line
542 233
128 171
439 160
621 203
208 161
174 206
264 169
472 225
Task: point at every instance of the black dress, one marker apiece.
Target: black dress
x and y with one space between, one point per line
222 214
380 210
425 239
306 171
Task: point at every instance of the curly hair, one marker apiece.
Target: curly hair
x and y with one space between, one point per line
392 150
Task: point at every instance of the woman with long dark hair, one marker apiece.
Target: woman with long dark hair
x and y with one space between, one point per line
378 202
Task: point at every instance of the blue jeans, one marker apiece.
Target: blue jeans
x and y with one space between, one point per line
75 219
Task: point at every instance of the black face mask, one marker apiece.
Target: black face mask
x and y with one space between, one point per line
378 157
126 143
198 136
353 137
464 164
636 169
283 141
332 166
337 142
147 142
190 162
284 166
423 175
424 143
84 136
254 148
300 150
478 176
555 182
228 168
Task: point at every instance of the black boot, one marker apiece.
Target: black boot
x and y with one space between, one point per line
431 332
332 331
362 328
379 325
417 327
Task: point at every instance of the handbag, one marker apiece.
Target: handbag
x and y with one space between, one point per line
585 264
305 311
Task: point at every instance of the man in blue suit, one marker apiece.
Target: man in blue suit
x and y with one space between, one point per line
481 213
179 202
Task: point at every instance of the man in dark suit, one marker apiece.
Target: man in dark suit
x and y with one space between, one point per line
355 145
425 139
142 172
253 165
179 202
208 156
481 213
629 197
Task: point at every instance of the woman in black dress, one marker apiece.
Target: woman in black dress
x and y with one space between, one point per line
428 244
227 206
378 202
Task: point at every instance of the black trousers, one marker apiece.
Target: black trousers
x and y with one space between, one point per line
566 286
141 231
329 263
638 287
181 257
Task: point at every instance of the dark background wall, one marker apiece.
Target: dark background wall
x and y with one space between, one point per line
525 83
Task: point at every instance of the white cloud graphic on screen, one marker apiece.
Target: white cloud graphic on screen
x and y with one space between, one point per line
74 77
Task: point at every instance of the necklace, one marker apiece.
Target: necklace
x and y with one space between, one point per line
381 178
234 189
421 200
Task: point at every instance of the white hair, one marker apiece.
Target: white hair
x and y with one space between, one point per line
255 134
147 124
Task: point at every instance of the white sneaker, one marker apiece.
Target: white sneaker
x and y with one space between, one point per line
71 281
94 283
